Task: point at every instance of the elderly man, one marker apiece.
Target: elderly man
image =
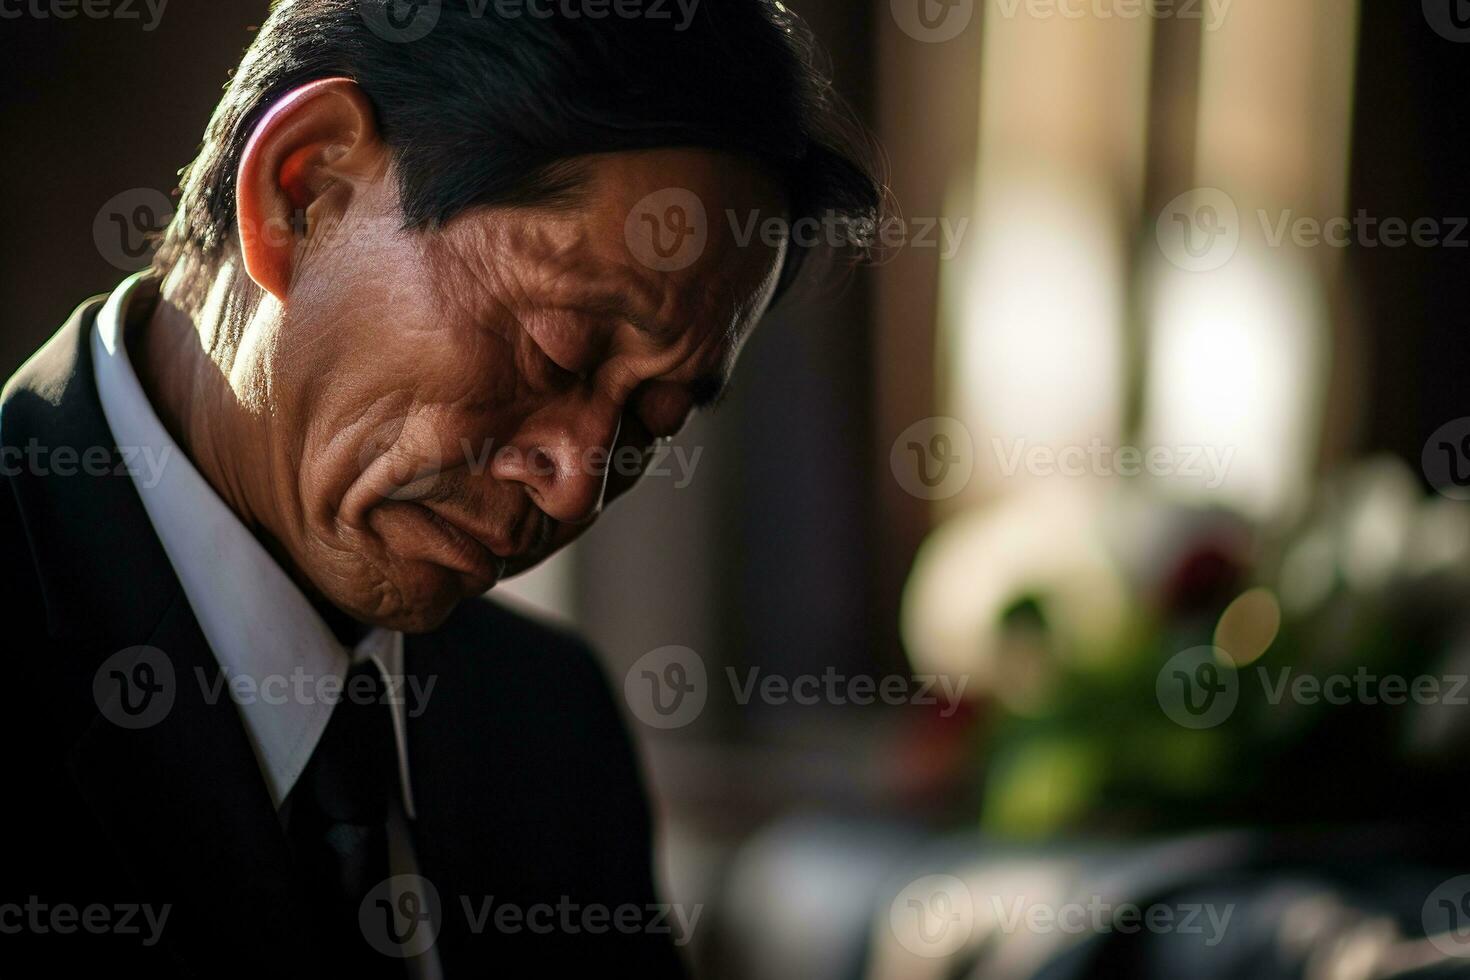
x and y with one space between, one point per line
434 266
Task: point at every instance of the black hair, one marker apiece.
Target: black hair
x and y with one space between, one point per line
482 102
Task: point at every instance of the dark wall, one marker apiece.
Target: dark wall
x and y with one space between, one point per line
1411 160
90 109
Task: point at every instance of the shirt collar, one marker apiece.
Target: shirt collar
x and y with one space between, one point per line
280 662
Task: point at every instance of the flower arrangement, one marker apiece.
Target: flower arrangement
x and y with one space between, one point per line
1150 665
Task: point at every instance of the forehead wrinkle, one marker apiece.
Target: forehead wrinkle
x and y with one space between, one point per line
502 248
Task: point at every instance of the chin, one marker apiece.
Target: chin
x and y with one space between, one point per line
420 619
418 598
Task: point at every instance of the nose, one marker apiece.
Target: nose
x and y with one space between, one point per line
561 456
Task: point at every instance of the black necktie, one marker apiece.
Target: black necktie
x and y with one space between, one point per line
337 822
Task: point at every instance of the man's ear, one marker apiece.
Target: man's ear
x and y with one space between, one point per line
306 157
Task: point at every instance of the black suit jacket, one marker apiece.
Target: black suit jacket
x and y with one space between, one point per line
524 778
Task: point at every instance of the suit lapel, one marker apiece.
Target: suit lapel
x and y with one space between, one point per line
184 805
181 798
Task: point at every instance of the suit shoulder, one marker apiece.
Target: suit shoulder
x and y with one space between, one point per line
490 620
29 410
45 375
519 649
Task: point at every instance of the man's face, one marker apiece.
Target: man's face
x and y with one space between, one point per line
445 404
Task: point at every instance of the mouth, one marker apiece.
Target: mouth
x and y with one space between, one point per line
518 547
415 532
461 543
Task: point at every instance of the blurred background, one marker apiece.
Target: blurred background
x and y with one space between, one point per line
1103 547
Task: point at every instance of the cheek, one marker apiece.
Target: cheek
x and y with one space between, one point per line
414 413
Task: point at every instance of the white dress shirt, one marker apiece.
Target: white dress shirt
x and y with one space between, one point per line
269 641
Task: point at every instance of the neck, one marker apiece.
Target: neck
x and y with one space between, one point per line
208 392
184 370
